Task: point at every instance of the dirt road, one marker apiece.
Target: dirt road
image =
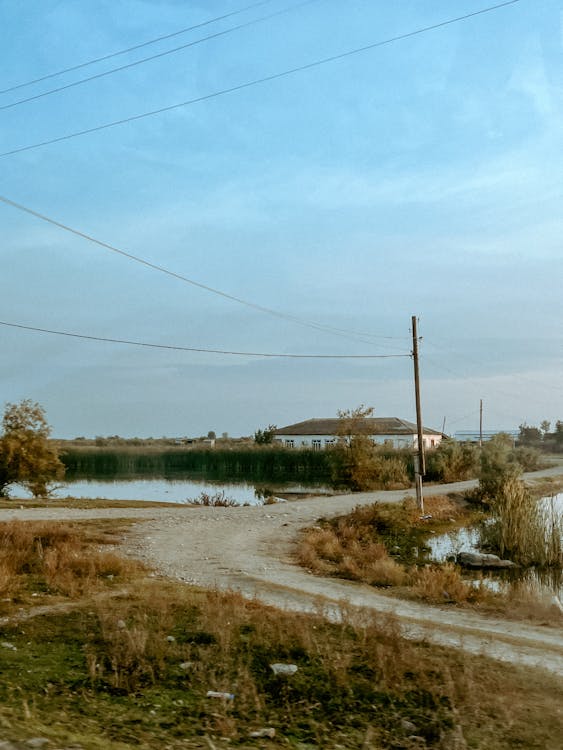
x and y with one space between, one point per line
250 549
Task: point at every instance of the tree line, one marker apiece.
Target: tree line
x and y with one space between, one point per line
543 437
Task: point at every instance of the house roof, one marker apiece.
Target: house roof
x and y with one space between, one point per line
370 426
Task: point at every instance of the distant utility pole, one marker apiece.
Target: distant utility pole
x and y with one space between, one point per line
419 463
480 423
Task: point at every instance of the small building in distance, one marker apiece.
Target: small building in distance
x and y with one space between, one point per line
391 432
473 436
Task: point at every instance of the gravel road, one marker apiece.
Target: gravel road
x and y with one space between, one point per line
250 549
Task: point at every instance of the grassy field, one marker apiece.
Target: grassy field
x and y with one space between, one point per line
129 663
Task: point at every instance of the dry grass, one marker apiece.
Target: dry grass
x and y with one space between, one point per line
523 529
374 544
328 552
442 584
134 671
82 503
380 544
215 500
55 558
142 666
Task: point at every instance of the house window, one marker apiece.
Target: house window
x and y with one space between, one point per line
330 442
289 443
316 445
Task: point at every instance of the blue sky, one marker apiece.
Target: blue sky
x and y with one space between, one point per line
421 177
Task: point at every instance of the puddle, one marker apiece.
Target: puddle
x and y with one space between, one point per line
443 546
532 581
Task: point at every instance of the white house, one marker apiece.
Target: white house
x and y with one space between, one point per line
388 431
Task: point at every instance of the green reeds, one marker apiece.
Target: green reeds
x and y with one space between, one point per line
260 463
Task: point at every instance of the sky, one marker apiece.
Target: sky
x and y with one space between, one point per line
423 177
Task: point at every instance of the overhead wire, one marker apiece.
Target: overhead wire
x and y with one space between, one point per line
186 279
172 347
158 55
161 38
457 420
257 81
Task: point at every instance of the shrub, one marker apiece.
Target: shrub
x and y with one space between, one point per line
215 500
528 458
498 466
362 466
452 461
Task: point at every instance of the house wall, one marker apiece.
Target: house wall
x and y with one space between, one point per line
307 441
322 441
430 441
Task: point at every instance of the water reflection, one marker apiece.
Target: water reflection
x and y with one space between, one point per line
174 490
528 581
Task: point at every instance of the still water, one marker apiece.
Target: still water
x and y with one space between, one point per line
536 582
443 546
173 490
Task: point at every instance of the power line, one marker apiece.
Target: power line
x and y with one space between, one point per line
257 81
198 349
193 43
136 46
181 277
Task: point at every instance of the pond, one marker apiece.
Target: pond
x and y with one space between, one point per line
179 490
539 582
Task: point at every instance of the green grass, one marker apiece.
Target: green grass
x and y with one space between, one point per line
81 677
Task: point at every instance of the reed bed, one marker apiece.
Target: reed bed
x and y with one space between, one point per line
253 462
523 528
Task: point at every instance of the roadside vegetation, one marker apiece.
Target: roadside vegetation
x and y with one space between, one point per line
386 545
133 670
51 561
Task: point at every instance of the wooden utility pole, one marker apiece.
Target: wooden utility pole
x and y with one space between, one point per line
480 423
419 464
